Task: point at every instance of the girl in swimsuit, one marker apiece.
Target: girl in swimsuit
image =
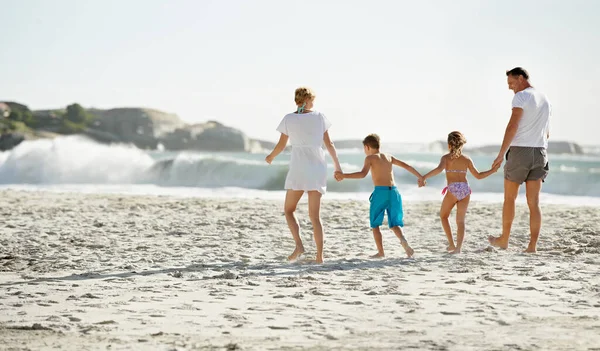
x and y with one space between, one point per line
458 191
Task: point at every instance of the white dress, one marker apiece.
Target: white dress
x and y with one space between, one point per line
308 168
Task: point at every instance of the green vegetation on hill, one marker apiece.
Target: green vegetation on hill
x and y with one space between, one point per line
74 119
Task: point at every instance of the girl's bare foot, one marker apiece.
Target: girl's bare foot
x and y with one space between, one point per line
450 248
455 251
378 255
297 252
530 250
409 251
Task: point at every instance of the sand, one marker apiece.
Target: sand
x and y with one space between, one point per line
98 272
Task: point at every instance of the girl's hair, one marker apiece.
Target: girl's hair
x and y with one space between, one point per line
456 141
303 94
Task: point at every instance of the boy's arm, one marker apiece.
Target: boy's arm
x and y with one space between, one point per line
481 175
406 167
358 175
332 151
283 139
436 170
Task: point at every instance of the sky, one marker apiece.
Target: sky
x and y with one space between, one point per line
411 71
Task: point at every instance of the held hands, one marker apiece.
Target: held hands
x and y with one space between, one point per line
498 162
421 181
338 175
496 167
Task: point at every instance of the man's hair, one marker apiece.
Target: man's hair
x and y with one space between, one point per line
372 141
518 71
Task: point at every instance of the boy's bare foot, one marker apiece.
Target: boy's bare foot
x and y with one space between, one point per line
409 250
497 242
297 252
378 255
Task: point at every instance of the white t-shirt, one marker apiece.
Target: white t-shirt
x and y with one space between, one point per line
305 129
535 123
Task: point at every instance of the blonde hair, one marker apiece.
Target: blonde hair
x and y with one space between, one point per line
303 94
456 141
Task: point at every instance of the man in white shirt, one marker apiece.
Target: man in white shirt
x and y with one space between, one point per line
525 145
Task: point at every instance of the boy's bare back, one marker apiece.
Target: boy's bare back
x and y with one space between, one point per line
381 169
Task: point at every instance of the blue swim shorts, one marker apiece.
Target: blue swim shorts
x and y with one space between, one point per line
386 199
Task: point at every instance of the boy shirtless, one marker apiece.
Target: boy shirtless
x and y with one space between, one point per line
385 197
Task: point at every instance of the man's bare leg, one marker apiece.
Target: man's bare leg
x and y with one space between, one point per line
511 190
461 213
378 242
409 250
314 212
533 189
291 201
447 206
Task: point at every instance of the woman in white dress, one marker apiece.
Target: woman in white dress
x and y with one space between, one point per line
307 130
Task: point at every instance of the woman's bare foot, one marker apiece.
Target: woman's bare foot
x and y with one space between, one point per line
498 242
378 255
297 252
409 251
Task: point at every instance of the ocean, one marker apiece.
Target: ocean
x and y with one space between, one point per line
77 164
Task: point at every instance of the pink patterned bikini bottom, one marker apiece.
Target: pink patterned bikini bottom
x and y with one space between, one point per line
459 190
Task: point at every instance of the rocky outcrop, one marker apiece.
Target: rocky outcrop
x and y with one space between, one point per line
10 140
564 147
139 126
210 136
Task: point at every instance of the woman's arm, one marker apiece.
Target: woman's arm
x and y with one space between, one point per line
283 139
332 151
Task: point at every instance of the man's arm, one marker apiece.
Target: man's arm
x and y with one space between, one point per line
283 139
357 175
509 134
406 167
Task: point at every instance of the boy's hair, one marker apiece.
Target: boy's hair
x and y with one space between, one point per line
372 141
518 71
456 141
303 94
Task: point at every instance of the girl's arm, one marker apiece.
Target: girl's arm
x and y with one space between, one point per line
481 175
436 170
332 151
283 139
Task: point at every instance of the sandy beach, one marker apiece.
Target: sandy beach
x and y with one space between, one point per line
98 272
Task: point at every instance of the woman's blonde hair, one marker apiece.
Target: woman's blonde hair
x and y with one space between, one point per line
303 94
456 141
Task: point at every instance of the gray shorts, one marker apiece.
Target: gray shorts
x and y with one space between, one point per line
525 164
